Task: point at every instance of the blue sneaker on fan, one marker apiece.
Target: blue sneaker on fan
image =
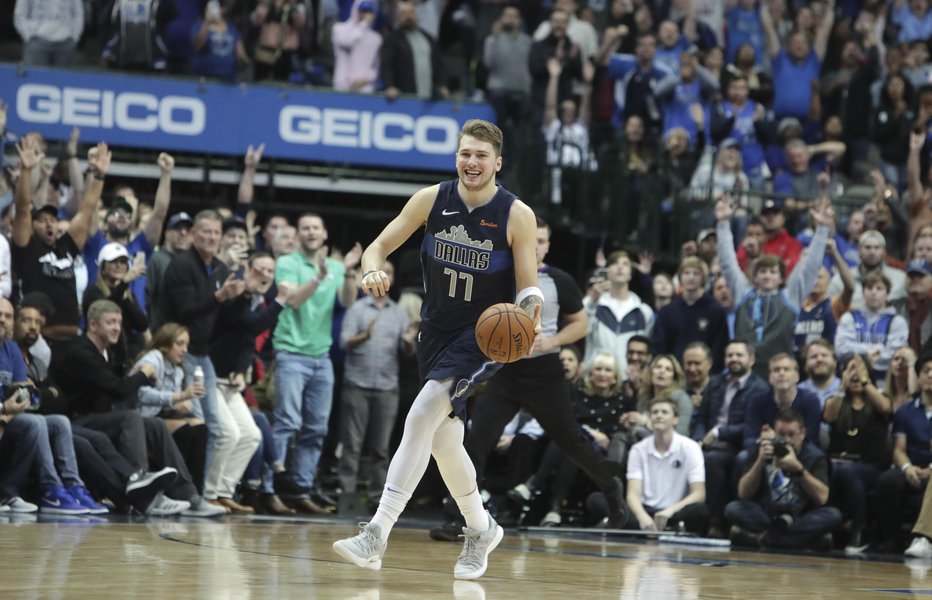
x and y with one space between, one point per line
57 501
84 498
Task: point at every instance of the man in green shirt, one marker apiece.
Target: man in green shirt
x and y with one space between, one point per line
302 339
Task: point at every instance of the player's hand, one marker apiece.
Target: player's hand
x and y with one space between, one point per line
543 343
536 318
376 283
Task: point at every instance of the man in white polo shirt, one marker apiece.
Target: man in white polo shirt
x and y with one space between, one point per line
666 477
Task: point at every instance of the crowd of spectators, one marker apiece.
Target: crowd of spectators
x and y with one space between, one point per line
771 386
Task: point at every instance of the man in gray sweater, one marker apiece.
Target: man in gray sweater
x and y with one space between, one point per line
766 311
505 54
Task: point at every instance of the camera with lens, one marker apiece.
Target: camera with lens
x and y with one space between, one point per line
599 274
781 447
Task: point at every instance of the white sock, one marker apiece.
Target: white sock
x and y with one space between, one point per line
471 507
391 505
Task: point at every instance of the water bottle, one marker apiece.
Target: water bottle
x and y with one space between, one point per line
198 375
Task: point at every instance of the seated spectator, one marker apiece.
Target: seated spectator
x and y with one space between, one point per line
666 477
697 365
356 47
784 393
86 373
692 316
169 398
218 46
114 277
766 314
859 416
719 425
783 492
874 330
898 490
107 473
661 378
915 307
872 250
50 30
598 408
819 364
280 24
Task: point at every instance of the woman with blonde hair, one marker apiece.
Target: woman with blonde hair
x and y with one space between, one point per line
663 378
598 408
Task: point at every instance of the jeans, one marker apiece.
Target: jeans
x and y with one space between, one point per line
371 411
303 398
25 443
41 53
260 465
205 408
807 527
62 445
851 482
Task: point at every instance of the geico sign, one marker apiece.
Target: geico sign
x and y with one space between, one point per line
394 132
129 111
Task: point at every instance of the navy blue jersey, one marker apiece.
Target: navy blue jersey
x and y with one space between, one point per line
465 258
817 322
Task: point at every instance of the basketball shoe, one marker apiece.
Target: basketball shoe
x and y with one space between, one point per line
365 549
474 559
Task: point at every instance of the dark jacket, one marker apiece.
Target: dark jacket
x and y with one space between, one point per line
135 322
762 409
398 63
188 296
89 380
233 344
713 397
679 324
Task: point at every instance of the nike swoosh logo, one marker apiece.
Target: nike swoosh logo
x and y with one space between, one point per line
53 503
447 214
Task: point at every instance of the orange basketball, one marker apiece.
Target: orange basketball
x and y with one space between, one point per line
505 333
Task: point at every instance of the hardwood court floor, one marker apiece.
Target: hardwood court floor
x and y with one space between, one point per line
291 558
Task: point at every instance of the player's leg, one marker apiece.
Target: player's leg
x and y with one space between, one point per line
429 410
482 533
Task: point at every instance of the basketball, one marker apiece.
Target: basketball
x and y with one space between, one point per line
505 333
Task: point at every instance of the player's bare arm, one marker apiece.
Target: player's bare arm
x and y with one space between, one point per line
522 235
412 216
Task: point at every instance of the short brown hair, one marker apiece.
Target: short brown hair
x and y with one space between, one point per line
483 131
872 279
666 400
769 261
817 342
616 256
782 356
694 262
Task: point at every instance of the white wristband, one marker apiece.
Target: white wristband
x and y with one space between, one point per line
906 466
529 291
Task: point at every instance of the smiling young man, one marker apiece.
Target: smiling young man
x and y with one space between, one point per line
478 250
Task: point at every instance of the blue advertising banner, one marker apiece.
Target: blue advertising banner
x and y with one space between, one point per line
184 115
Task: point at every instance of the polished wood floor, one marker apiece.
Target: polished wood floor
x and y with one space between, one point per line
273 558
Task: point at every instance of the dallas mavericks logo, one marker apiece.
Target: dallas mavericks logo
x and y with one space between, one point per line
462 387
456 247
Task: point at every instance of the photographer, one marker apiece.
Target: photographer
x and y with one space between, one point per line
783 492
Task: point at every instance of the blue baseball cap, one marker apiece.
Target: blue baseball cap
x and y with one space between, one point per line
918 265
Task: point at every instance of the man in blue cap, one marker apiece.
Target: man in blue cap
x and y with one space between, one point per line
915 306
177 239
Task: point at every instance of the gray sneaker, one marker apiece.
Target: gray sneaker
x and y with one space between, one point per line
365 549
474 559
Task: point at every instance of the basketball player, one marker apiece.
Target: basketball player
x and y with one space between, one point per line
537 384
478 249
